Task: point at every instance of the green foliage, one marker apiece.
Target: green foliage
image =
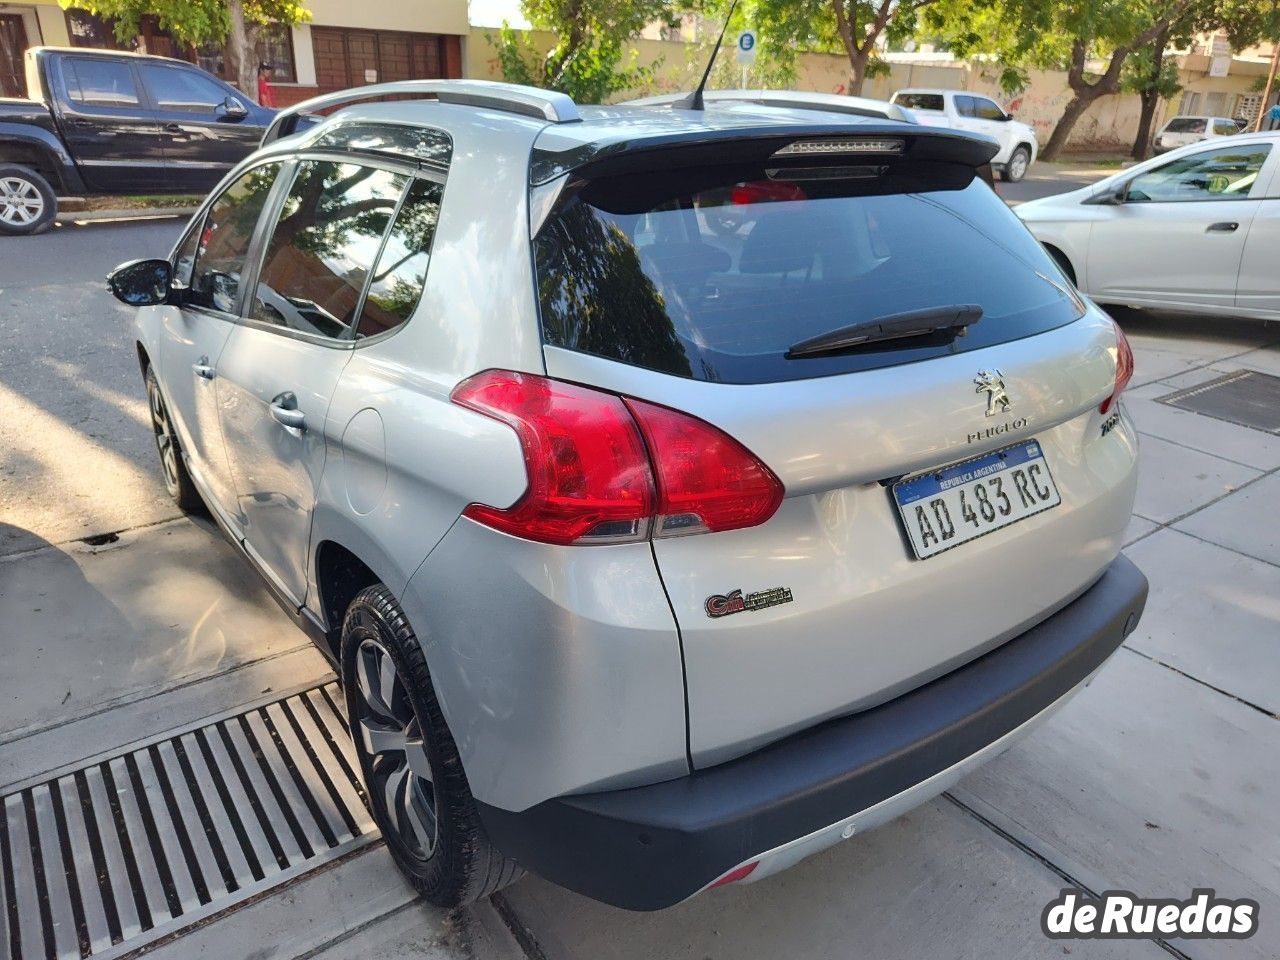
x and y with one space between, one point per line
1139 74
849 27
588 59
190 21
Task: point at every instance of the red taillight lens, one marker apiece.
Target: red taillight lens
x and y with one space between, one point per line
591 478
739 873
1124 368
707 481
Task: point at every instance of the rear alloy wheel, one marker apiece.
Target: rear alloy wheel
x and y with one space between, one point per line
412 772
176 479
1017 166
27 202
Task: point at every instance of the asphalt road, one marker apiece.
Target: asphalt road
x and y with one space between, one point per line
76 455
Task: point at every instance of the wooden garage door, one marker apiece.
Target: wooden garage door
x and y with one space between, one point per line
351 58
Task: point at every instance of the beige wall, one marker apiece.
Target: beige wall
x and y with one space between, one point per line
422 16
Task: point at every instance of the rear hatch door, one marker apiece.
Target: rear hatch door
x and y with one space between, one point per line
693 288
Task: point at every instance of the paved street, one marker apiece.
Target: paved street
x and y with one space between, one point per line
1161 777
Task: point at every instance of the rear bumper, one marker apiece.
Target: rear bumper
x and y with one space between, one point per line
649 847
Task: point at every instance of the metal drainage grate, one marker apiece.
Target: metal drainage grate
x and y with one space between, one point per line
1246 397
126 849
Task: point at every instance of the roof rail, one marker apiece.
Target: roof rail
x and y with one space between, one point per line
792 100
511 97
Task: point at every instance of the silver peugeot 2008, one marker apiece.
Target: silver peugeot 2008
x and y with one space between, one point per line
677 490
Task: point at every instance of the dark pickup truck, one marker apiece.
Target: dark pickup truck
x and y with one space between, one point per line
101 121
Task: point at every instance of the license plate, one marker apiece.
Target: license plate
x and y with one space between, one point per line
953 505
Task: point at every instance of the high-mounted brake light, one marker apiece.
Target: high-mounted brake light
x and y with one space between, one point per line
608 469
1124 369
825 147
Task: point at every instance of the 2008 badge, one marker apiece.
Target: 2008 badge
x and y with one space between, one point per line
723 604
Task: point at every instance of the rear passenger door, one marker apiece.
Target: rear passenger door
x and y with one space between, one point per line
112 133
281 364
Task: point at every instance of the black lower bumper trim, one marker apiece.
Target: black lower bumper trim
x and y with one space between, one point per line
649 847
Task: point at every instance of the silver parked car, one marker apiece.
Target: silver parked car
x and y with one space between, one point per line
654 555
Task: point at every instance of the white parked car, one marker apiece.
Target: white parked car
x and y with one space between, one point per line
977 114
1194 230
1184 131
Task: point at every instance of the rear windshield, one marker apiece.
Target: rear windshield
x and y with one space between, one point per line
714 274
919 101
1185 125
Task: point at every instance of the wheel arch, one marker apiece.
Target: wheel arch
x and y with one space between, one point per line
39 150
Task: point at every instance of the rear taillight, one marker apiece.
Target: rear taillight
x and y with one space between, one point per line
604 469
1124 368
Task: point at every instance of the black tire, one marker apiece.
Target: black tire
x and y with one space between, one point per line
176 478
27 202
1016 168
459 865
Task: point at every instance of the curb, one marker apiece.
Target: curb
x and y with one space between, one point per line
157 213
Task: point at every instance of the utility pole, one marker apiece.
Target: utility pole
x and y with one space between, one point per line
1266 93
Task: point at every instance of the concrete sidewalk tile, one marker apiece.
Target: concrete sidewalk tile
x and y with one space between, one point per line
1150 782
161 607
1211 613
137 719
313 912
1230 441
933 883
1138 528
1266 360
1245 521
1174 480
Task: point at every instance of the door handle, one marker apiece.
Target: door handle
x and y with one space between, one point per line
173 128
284 411
202 368
1226 226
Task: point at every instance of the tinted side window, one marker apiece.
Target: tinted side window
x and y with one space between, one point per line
100 83
1225 128
965 106
173 88
224 239
919 101
987 110
1227 173
401 271
324 243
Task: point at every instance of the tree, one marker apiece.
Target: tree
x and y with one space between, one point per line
852 27
1153 77
1050 34
586 59
237 23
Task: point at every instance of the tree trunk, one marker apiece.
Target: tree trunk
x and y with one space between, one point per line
1062 132
1150 98
1142 143
242 61
1085 94
857 72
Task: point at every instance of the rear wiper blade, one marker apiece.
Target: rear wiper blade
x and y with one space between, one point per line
931 321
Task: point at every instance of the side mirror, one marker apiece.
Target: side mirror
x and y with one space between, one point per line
1008 116
233 109
141 283
1113 197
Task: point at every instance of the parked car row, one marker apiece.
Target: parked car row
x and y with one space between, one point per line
106 122
646 546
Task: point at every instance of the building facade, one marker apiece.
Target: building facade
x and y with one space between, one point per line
343 45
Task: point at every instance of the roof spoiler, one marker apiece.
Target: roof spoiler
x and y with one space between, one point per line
793 100
510 97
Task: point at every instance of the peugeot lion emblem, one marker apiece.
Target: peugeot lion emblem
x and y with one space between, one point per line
992 381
